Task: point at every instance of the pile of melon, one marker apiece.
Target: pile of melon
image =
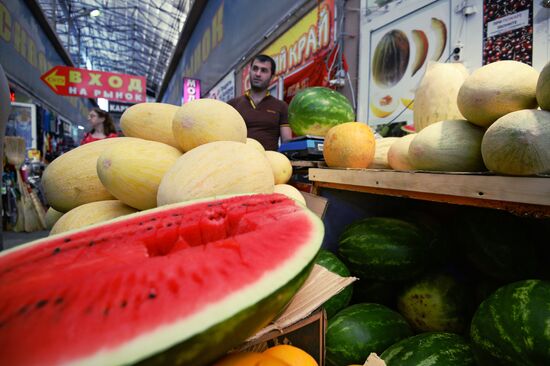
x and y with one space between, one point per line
169 154
496 119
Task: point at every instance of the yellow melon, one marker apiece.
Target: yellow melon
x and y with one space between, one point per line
150 121
71 179
52 215
131 170
255 144
216 168
207 120
435 97
380 160
518 143
349 145
398 153
497 89
281 166
290 191
89 214
452 146
543 88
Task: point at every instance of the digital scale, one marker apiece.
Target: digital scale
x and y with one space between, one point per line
303 148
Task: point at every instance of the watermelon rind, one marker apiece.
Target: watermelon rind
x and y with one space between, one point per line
360 329
385 249
314 110
432 348
207 334
511 327
331 262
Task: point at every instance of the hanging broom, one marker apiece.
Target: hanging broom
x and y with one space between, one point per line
27 216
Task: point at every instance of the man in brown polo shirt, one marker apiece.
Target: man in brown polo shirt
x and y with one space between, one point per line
266 117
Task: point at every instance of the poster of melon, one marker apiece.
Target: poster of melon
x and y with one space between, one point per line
399 54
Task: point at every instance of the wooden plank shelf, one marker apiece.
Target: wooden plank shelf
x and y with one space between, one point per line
520 195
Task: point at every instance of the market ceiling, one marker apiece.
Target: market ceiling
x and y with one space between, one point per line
134 37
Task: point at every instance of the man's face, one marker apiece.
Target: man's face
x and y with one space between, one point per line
260 74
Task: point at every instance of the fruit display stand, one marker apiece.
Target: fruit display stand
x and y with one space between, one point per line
520 195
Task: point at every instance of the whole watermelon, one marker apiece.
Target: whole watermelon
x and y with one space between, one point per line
331 262
504 247
360 329
313 111
433 348
436 302
511 327
385 249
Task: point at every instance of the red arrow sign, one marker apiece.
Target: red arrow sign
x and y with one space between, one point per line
65 80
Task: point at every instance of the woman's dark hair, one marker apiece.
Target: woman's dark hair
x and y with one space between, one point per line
264 58
108 124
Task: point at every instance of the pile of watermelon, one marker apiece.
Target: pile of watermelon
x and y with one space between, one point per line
444 291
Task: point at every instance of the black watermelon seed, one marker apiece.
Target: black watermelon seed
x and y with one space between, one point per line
169 224
58 301
154 219
123 304
67 240
23 310
175 214
91 243
140 223
41 303
152 295
149 228
56 250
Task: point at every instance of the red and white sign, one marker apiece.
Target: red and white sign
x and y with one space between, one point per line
191 89
71 81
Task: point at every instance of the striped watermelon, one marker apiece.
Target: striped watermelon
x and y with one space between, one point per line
433 349
331 262
385 249
360 329
313 111
512 326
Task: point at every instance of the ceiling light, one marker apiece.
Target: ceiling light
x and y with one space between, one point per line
95 13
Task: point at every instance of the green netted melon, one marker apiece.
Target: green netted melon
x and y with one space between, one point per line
518 143
452 146
543 88
496 89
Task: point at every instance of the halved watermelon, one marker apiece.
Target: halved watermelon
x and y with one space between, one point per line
180 284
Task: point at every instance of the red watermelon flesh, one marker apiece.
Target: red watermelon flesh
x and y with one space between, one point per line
120 291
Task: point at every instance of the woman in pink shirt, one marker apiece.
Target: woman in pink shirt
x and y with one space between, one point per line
102 126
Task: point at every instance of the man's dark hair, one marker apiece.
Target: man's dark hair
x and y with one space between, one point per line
264 58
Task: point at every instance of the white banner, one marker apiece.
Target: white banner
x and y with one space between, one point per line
224 90
508 23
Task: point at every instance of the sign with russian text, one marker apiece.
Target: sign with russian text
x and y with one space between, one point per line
224 90
65 80
191 89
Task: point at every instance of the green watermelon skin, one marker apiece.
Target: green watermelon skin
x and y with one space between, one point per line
384 249
331 262
511 327
360 329
436 302
430 349
313 111
504 247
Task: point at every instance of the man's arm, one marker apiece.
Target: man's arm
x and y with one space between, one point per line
286 133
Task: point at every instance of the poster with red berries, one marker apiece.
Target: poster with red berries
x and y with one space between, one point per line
508 31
